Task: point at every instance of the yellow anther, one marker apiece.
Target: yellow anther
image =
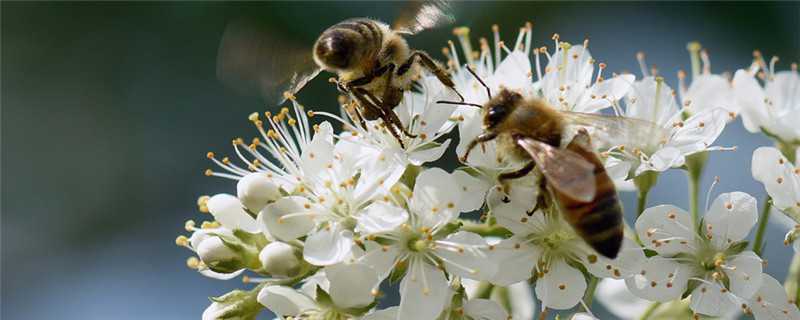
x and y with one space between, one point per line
208 173
210 155
310 113
189 225
292 122
182 241
461 31
253 117
193 263
289 96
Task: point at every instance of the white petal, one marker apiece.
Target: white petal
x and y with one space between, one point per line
436 197
666 229
351 285
603 94
699 131
712 299
744 271
329 245
615 296
651 100
709 91
731 217
521 299
389 313
466 254
423 292
659 280
255 190
220 276
485 309
561 287
516 259
474 188
285 301
513 72
291 227
750 100
229 212
380 217
628 261
661 160
318 154
382 258
771 302
778 176
514 216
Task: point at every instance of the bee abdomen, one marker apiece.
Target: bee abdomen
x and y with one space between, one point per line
369 31
599 222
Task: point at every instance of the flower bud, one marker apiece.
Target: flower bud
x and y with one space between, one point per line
218 256
280 260
256 190
236 304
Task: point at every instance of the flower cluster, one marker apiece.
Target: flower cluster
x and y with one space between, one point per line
324 221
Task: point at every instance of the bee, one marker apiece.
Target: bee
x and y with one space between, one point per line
532 132
372 60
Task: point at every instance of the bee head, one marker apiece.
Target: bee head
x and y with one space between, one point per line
336 49
499 107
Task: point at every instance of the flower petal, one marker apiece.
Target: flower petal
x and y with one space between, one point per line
709 91
515 258
615 296
521 299
435 197
628 261
771 302
711 299
382 258
389 313
731 217
604 93
778 176
423 292
220 276
351 285
651 100
229 212
380 217
421 156
744 271
255 190
666 229
474 187
699 131
484 309
288 218
329 245
285 301
659 280
750 100
561 287
466 254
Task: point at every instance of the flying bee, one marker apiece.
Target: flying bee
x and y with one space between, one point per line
373 62
530 131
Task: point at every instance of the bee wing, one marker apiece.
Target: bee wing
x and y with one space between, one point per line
417 16
253 60
608 131
566 171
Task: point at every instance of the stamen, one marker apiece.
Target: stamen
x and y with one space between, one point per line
706 61
710 189
496 33
642 64
694 55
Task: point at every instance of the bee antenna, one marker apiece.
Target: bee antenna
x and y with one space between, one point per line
460 103
488 92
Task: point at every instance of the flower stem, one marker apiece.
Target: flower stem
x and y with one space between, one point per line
588 297
758 243
792 283
650 311
695 164
644 182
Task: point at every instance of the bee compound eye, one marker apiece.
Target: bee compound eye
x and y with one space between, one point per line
335 49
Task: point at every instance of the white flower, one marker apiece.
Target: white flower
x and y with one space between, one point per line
208 239
770 302
724 273
420 239
420 115
773 107
614 295
665 139
569 83
229 212
279 259
780 177
545 244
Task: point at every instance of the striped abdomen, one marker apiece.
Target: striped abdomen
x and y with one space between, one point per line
348 44
599 221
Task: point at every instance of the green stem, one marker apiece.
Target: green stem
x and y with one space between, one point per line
695 164
644 182
650 311
588 297
792 283
758 244
641 201
485 229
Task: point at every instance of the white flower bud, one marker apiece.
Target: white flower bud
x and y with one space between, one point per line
256 190
213 251
236 304
279 259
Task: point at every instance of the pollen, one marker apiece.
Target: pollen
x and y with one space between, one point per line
182 241
779 180
562 286
193 263
728 206
592 258
208 172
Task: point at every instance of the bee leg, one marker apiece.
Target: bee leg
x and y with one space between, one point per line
366 79
504 177
432 66
484 137
355 115
363 97
392 96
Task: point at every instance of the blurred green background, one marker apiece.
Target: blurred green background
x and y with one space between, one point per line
108 110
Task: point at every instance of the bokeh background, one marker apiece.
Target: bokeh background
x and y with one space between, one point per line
108 110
